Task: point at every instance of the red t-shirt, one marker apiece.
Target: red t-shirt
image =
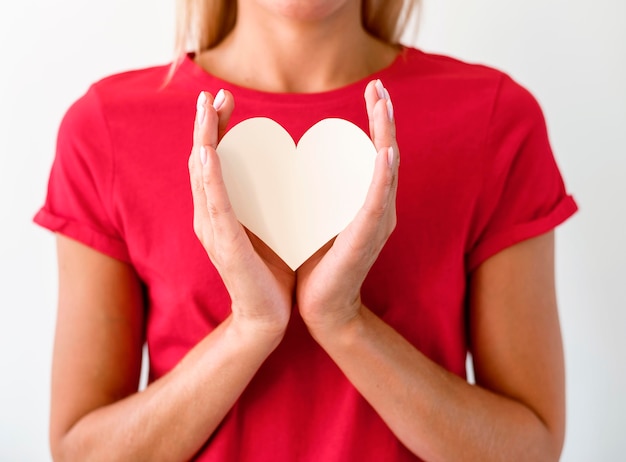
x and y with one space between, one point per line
477 175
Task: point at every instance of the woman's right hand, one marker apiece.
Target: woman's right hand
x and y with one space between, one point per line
260 284
96 412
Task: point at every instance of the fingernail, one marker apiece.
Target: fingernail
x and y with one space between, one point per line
203 155
390 110
380 89
200 107
219 100
390 155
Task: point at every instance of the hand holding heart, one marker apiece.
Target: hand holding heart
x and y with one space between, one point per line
260 284
329 283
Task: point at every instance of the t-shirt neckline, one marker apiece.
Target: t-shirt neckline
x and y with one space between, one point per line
208 81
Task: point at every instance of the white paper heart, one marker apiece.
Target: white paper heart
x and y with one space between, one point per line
296 198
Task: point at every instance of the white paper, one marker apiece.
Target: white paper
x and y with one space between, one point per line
296 198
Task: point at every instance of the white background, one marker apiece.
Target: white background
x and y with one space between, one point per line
570 54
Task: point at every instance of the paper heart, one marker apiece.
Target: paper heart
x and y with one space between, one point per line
296 198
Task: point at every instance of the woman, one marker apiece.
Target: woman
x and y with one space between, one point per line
360 353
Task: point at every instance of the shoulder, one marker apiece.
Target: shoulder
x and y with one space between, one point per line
128 102
456 92
131 85
129 91
450 76
136 86
415 63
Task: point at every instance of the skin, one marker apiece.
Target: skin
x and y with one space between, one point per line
299 53
514 412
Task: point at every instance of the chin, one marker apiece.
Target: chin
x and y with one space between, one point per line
307 10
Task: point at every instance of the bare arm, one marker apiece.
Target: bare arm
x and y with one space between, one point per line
97 413
516 411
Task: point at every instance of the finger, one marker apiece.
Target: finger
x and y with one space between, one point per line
205 136
224 223
204 98
372 95
380 195
201 219
206 124
224 104
383 121
384 138
367 233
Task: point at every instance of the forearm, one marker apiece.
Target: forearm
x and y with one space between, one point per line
437 415
174 416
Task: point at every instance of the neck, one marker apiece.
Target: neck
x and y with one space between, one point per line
279 53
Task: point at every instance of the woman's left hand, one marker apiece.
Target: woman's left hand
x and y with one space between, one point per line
517 402
329 283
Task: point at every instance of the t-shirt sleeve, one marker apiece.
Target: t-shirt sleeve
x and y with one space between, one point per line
523 194
78 202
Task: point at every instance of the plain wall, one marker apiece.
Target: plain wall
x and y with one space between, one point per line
571 55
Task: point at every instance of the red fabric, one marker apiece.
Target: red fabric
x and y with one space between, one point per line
477 175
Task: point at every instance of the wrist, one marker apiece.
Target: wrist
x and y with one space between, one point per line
262 330
340 326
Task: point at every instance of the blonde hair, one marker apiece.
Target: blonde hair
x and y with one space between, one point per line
202 24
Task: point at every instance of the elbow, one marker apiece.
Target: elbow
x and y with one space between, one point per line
555 447
57 449
63 444
549 443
